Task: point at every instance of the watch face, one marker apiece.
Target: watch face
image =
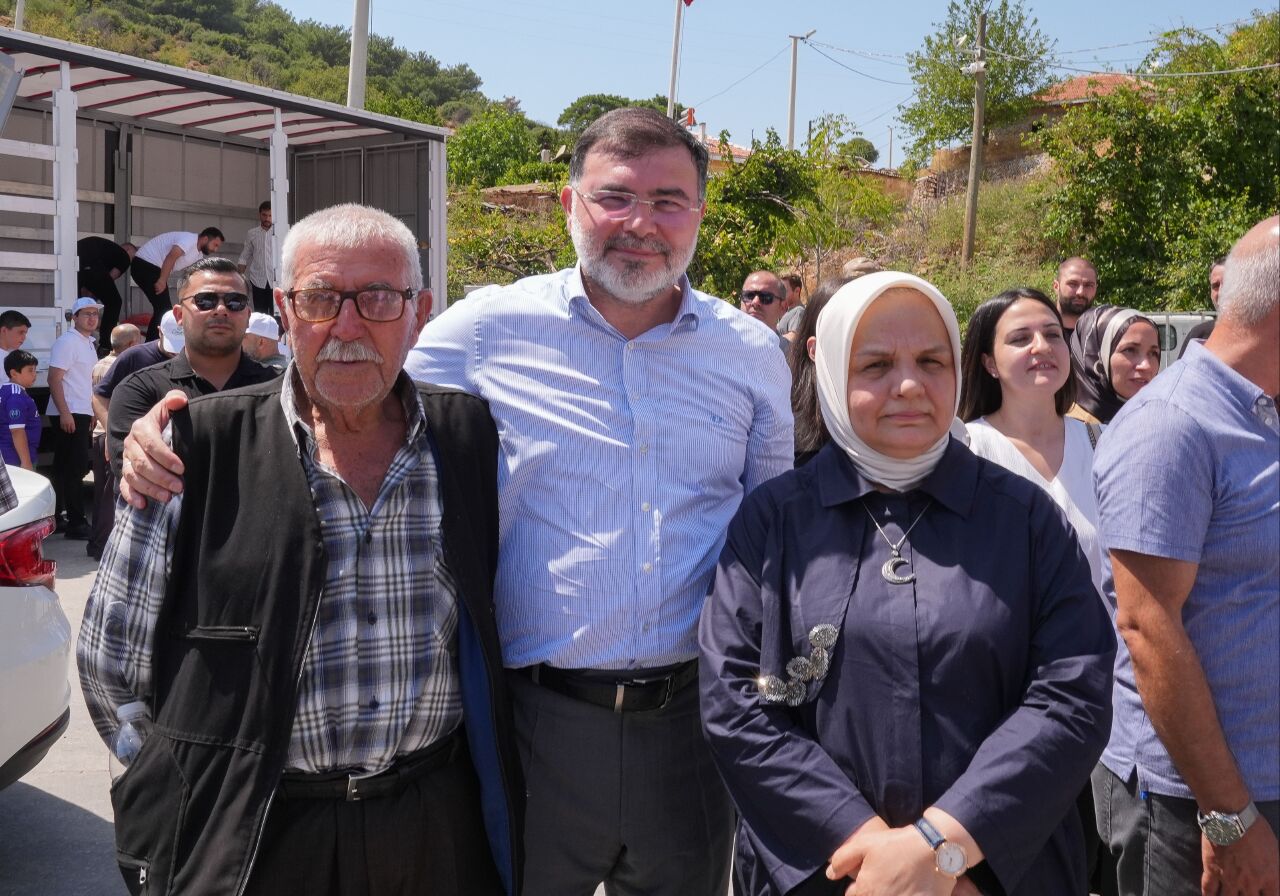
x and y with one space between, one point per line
1222 830
950 859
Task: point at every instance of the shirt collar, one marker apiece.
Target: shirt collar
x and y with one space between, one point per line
689 313
952 483
1245 393
304 436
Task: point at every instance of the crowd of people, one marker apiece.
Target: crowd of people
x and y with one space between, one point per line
596 579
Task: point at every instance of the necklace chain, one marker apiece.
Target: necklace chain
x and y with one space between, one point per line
896 548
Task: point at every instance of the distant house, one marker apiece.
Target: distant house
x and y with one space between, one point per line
1007 152
738 154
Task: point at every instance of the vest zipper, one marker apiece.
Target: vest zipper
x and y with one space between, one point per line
297 682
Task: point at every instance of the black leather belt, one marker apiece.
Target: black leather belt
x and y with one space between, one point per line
351 785
624 691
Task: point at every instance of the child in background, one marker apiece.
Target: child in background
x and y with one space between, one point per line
20 434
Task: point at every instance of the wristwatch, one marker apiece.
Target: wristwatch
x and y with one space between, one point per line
1225 828
948 857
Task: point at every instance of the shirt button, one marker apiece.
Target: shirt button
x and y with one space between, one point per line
648 567
373 702
645 506
644 447
373 618
631 346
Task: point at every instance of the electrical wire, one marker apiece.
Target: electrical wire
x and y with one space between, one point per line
713 96
1087 71
854 70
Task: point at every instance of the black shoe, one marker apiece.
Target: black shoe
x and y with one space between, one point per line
77 531
93 551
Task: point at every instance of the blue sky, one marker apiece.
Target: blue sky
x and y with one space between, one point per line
735 54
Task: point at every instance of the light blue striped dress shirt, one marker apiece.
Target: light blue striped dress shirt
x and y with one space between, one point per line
622 461
1190 470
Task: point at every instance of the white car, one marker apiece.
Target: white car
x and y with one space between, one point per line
35 637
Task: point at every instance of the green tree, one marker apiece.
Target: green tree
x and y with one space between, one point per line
492 246
941 110
1162 177
489 144
579 114
748 208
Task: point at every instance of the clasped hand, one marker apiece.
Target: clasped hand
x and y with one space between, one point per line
885 861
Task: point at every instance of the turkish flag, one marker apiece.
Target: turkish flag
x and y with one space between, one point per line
688 2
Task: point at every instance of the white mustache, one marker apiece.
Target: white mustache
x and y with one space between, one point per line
337 350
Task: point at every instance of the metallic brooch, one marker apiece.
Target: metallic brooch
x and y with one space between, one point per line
801 669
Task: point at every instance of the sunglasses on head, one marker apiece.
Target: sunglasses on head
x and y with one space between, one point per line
207 301
763 296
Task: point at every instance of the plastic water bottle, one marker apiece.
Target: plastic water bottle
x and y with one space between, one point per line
135 724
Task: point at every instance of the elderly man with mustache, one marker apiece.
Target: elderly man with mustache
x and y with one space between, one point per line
307 630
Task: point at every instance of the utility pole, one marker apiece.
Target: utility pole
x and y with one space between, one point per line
791 109
891 146
19 14
675 60
979 70
359 55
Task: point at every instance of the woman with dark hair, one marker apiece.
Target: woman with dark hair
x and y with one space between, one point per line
1115 352
1017 388
905 669
811 432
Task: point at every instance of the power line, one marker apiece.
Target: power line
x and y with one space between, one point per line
1088 71
701 103
886 58
854 70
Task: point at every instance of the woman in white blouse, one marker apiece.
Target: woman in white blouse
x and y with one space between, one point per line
1017 387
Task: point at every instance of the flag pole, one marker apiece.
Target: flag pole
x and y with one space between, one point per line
675 60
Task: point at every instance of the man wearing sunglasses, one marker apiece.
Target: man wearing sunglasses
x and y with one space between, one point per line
764 297
213 311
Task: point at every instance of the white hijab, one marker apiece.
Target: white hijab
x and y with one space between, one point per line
836 327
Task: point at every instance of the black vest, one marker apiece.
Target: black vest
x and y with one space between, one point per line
248 564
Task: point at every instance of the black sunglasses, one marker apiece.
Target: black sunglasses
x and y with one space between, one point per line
207 301
763 296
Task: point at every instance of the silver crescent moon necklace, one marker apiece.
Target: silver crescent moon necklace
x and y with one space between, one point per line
889 571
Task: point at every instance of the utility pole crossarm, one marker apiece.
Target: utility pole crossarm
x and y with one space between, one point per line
791 107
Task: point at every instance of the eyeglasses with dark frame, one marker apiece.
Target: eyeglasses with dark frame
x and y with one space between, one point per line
763 296
379 304
618 205
235 302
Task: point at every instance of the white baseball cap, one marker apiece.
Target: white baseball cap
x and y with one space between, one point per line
85 302
172 339
264 325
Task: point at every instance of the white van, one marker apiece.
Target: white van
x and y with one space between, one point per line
1173 327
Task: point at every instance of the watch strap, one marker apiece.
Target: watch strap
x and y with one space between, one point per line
930 834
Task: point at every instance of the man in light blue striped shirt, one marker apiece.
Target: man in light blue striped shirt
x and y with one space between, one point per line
634 413
1188 480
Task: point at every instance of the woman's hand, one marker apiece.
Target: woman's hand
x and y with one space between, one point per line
884 861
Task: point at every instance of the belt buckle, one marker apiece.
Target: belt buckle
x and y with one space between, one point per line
353 785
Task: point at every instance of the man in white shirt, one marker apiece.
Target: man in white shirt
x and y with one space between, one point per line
257 260
161 256
71 361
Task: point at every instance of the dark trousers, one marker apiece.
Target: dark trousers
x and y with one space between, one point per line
1154 839
427 840
631 799
147 275
70 463
263 300
100 285
104 498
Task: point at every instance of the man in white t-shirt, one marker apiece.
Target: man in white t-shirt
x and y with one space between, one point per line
161 256
71 363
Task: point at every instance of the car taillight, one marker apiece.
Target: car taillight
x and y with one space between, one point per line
21 560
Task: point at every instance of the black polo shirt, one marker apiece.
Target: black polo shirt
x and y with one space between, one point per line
142 390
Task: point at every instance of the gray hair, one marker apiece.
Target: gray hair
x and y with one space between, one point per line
1250 283
350 227
632 132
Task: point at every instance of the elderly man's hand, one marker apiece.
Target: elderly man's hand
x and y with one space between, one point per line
150 468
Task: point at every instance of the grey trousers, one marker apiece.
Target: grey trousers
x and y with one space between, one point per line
628 799
1154 839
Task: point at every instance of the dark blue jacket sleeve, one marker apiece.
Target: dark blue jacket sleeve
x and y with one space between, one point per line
1010 798
796 803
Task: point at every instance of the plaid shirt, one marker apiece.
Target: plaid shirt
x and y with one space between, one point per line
8 497
379 678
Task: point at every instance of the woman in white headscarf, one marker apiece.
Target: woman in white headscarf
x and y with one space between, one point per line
906 670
